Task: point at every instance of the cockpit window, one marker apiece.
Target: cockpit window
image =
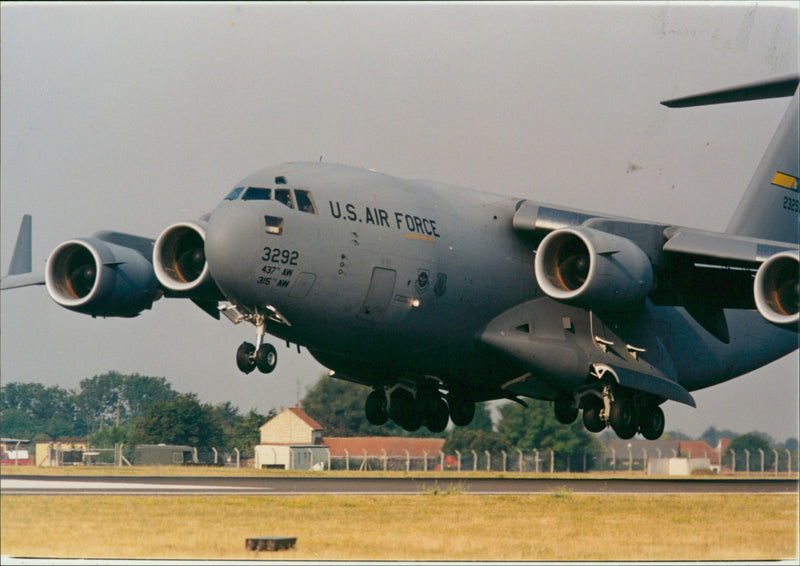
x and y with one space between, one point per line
304 201
234 194
287 197
256 193
284 196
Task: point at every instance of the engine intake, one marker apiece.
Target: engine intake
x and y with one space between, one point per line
593 269
179 259
99 278
777 289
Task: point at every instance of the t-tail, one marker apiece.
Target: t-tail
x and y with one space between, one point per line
770 205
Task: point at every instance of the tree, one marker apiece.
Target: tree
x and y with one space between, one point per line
109 436
182 420
115 398
239 431
752 442
536 428
338 406
712 436
482 419
29 409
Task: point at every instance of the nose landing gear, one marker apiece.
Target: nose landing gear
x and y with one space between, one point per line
248 358
261 355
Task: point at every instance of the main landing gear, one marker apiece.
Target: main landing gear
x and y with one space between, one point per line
261 355
411 410
626 412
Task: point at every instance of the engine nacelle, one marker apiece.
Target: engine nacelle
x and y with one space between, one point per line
777 289
179 259
99 278
593 269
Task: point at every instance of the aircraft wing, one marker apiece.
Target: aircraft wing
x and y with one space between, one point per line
703 271
721 249
21 280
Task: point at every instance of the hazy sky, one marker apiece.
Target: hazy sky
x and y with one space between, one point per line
134 116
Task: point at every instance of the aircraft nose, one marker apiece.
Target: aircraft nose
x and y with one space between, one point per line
232 248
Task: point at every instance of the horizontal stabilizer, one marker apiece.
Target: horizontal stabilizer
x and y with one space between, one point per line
773 88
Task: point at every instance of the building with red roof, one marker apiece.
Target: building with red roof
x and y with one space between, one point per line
293 440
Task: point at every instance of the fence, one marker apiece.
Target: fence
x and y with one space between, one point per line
537 461
778 462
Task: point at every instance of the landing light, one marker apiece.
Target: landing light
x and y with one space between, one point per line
415 303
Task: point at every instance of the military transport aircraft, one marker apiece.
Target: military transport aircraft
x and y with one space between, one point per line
439 296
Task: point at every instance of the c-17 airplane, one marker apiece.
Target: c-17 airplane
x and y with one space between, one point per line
438 297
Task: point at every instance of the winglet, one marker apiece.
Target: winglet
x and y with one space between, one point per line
21 260
20 272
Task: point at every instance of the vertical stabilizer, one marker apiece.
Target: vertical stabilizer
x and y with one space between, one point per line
770 205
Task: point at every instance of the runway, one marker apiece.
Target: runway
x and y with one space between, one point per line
287 486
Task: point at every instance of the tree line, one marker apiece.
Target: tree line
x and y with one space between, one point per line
129 409
135 409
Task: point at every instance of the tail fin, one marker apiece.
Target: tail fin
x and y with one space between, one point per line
770 205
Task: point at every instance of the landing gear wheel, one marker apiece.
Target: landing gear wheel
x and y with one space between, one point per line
651 422
462 411
592 408
266 358
565 412
438 415
245 360
403 410
375 408
623 418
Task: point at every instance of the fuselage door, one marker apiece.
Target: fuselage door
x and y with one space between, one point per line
379 294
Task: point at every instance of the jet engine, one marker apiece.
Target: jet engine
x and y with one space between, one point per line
99 278
777 289
179 259
593 269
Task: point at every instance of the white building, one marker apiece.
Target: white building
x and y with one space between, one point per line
292 441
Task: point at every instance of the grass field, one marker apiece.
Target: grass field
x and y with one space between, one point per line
441 524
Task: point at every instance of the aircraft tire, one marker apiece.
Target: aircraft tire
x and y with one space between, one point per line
462 411
403 410
651 422
591 415
244 357
266 358
438 416
623 418
375 408
565 412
